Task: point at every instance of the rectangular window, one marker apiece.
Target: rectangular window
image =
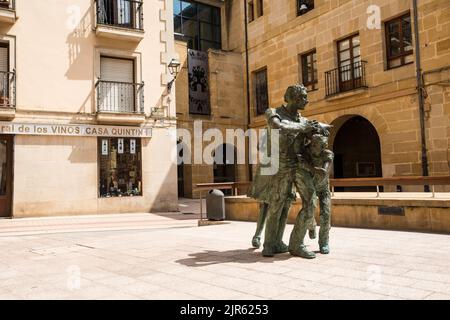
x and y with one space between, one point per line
304 6
198 24
308 62
350 66
120 13
4 75
7 78
260 8
120 162
251 11
399 49
261 91
116 87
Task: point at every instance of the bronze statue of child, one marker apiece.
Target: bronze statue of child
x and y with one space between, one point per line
317 159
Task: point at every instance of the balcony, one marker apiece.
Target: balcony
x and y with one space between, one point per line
120 19
345 78
7 95
120 102
7 11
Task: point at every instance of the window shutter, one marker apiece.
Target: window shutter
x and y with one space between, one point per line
4 52
120 70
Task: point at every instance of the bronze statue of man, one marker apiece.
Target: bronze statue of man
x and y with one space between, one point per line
260 190
278 191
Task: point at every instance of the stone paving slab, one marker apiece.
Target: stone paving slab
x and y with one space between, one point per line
167 256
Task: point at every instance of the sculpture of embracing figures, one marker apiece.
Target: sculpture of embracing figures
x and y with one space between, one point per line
304 161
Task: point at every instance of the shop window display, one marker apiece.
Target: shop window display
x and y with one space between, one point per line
120 161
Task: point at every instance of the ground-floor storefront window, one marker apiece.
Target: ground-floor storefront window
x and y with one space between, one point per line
120 161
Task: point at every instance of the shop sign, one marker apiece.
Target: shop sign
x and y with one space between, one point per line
74 130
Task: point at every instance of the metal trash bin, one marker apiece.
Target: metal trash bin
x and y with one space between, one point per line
215 205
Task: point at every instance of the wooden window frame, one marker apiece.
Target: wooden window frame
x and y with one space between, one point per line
250 11
403 54
303 68
259 108
351 47
343 84
259 8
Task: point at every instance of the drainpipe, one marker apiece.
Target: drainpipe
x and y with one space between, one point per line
250 172
420 89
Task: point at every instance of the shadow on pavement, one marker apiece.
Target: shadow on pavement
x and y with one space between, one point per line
209 257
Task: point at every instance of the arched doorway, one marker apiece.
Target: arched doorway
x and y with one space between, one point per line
225 164
357 151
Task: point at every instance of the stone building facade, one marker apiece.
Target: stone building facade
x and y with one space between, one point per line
226 92
358 58
87 124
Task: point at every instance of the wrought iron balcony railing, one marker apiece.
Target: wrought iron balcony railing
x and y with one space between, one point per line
8 4
7 89
345 78
120 97
121 13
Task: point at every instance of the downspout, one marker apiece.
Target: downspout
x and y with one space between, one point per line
420 89
250 172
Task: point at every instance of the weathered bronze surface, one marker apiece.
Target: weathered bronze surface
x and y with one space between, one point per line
304 162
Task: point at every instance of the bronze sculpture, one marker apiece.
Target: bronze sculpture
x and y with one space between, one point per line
277 191
317 159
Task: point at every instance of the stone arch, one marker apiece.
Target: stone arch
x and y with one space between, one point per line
370 114
357 147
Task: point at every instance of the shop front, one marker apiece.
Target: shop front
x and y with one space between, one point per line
67 169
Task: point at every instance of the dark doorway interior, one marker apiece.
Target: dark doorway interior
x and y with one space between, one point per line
6 175
225 165
180 170
357 152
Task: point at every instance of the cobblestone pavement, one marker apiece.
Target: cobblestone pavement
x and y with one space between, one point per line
167 256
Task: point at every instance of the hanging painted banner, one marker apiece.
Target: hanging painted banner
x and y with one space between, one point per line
198 82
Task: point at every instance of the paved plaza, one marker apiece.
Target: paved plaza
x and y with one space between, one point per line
167 256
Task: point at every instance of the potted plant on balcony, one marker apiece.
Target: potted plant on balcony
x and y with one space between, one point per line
4 102
4 99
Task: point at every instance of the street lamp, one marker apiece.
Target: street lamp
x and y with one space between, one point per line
174 68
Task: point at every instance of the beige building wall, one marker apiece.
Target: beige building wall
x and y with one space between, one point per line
391 101
55 52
